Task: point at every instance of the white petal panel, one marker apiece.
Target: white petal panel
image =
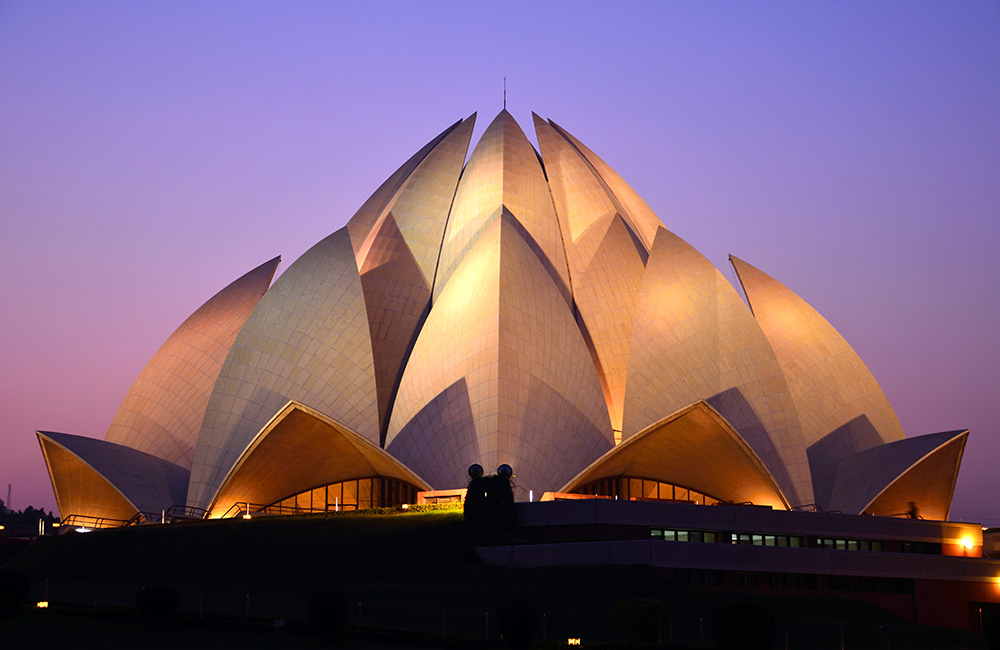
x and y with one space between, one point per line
695 339
678 448
499 374
606 262
162 412
641 219
367 217
96 478
829 382
307 340
400 256
503 172
299 449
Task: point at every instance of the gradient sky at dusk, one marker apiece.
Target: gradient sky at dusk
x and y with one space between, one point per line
152 153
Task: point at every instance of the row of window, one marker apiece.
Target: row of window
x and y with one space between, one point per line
793 541
362 494
628 488
848 544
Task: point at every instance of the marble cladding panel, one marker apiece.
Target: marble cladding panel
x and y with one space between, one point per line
503 172
634 210
162 412
308 340
679 447
367 217
103 479
605 263
829 382
517 368
691 321
302 449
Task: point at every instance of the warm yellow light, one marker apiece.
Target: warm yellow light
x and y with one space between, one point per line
405 506
967 543
246 516
55 525
42 604
572 641
1 526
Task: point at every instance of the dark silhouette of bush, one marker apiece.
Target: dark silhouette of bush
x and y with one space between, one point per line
641 620
518 622
489 504
13 590
743 626
327 612
157 603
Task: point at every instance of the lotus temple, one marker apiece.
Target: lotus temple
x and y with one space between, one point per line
516 306
525 308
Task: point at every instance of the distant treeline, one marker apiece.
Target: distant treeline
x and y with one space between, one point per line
28 514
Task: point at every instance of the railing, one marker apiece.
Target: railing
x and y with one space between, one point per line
89 522
243 508
182 512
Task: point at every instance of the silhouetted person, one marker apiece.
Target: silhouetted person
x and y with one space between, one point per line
914 512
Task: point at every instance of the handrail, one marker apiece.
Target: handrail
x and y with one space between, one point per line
243 508
89 521
181 511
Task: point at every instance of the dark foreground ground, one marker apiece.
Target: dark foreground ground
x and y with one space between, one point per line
411 580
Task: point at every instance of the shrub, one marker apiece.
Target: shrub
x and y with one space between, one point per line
743 626
518 621
327 612
641 620
13 590
157 603
489 504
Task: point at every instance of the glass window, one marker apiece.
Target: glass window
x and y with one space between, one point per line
852 545
695 536
682 536
365 493
758 540
350 501
670 535
650 489
795 541
710 538
768 540
841 544
656 533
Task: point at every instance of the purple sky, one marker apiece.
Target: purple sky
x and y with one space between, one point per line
152 153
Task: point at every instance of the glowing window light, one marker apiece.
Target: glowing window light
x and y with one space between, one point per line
572 641
42 604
